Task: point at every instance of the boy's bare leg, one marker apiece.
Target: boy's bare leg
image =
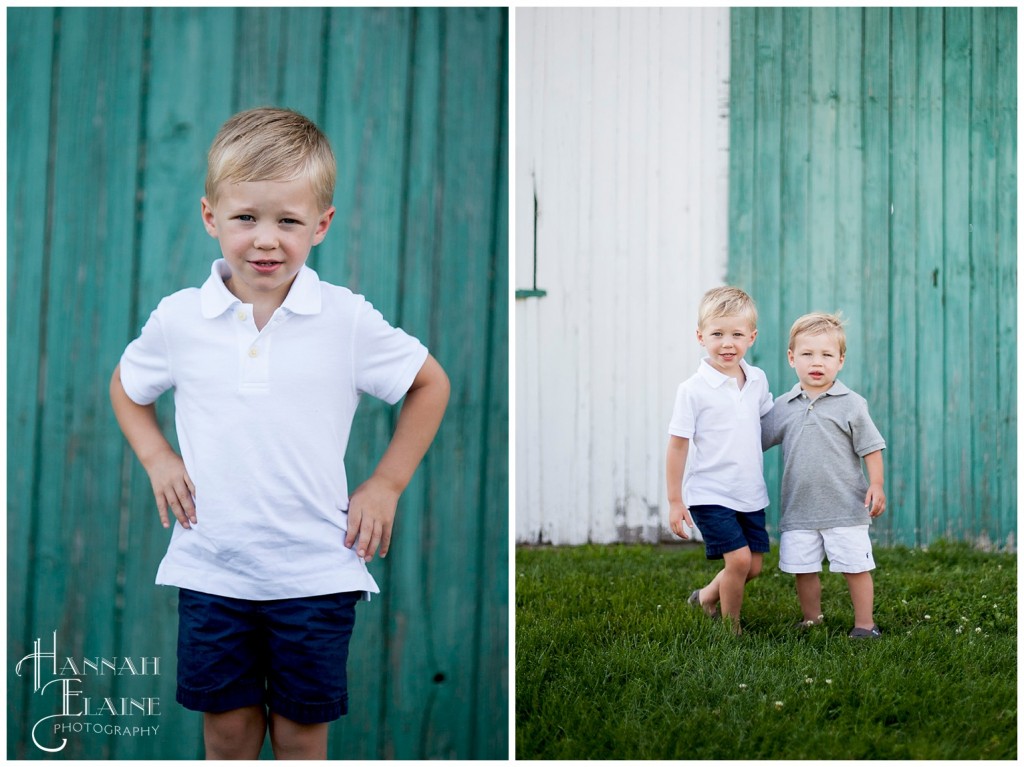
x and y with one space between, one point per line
808 591
236 734
292 740
862 592
731 581
710 595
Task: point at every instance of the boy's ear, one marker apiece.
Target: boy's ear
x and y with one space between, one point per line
323 225
208 220
789 356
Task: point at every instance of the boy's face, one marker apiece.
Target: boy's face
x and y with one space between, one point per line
817 361
266 230
727 340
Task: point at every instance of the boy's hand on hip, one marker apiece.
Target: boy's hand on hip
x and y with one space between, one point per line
173 489
874 501
679 519
371 515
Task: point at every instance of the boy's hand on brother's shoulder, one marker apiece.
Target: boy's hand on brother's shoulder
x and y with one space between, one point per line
371 515
172 488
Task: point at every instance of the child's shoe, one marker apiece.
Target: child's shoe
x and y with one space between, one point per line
694 600
871 633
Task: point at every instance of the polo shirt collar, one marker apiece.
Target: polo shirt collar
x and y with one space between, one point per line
837 389
715 378
303 297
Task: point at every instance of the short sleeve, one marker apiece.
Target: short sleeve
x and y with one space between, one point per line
387 358
146 365
766 400
683 418
866 437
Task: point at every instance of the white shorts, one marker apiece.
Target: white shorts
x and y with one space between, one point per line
848 550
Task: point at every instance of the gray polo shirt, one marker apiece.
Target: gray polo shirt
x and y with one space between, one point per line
823 441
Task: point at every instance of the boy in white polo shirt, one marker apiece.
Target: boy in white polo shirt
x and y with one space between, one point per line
268 364
827 504
713 466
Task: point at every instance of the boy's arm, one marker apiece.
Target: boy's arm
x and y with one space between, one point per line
675 469
875 499
172 487
371 511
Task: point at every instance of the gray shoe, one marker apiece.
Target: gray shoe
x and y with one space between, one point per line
871 633
694 600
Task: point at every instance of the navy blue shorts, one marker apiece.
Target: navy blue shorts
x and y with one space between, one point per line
286 654
725 530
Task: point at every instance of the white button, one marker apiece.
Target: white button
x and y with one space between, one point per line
242 315
253 352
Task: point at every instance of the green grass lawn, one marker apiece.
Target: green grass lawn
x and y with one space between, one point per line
611 663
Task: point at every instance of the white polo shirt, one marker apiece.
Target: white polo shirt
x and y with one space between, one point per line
724 463
263 421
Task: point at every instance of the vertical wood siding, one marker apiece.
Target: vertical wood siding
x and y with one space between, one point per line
621 141
110 113
873 171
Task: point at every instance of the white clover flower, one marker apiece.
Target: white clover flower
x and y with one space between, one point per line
743 686
778 704
828 681
977 630
959 629
808 680
927 617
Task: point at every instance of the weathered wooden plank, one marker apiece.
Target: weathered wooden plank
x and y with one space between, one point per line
795 257
984 510
30 41
469 113
849 254
903 443
1006 227
742 119
956 279
491 673
824 95
933 512
768 351
367 77
877 214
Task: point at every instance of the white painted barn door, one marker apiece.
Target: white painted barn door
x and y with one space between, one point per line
621 148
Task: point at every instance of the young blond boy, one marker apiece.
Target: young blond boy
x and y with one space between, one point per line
827 504
713 466
268 364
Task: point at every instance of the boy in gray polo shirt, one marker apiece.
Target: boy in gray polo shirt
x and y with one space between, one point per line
827 504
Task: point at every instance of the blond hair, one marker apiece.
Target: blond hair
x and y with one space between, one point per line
726 302
817 323
268 144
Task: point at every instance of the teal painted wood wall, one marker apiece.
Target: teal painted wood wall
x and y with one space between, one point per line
110 113
873 170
